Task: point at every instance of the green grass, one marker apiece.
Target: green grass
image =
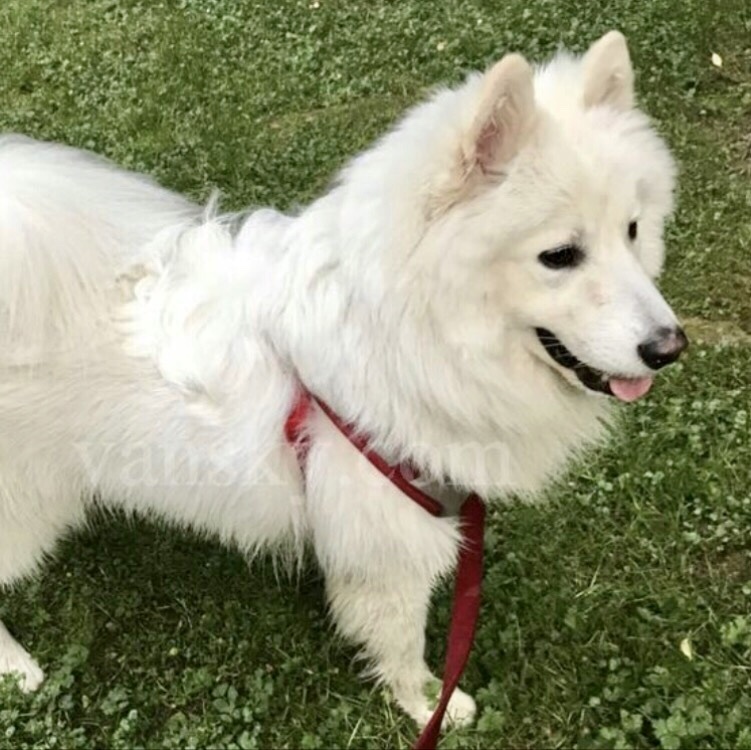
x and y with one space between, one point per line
153 638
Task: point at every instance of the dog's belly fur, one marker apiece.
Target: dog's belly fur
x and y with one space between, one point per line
131 439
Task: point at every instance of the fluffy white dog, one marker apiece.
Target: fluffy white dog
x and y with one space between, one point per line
472 294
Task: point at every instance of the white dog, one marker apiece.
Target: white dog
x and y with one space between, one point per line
472 294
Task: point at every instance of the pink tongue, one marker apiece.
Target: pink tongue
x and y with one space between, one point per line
630 389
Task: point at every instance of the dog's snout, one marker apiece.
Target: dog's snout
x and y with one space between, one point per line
664 348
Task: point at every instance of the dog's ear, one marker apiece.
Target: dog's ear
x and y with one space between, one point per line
504 114
608 74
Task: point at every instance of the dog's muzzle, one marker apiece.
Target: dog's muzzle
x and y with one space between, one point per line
589 377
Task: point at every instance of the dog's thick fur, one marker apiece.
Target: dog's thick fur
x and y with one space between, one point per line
150 351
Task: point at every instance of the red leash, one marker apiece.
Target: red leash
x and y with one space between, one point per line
468 582
464 614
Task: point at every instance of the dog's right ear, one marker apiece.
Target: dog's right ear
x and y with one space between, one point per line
608 73
503 117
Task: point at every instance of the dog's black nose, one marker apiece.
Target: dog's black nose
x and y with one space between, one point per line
664 348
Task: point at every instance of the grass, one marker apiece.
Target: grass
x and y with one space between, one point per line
618 614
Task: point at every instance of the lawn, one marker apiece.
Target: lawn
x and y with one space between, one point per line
618 613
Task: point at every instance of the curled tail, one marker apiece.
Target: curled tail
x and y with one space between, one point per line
70 225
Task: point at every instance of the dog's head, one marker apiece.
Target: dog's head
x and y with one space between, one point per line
543 197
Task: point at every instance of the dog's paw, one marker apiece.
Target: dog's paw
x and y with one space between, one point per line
461 709
15 661
420 705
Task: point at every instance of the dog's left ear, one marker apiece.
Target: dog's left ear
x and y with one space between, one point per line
503 115
608 74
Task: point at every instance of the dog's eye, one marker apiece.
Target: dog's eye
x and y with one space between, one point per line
566 256
633 230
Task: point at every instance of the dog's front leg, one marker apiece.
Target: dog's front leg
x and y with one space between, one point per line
388 617
382 555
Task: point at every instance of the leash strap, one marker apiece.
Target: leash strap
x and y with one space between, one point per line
468 581
464 614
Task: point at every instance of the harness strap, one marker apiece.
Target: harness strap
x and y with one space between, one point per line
468 582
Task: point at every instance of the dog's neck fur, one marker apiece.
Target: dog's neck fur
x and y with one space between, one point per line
388 370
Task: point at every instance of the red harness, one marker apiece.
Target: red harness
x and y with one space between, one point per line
466 606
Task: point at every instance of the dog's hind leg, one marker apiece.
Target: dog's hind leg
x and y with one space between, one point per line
35 510
16 661
382 555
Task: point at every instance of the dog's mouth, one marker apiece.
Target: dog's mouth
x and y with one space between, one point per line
624 389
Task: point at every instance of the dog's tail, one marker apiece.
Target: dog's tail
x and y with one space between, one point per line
70 223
